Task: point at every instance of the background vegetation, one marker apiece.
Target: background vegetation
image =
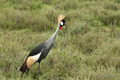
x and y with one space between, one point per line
87 48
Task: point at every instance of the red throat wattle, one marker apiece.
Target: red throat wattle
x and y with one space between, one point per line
60 28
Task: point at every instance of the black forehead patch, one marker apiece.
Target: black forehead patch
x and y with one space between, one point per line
63 21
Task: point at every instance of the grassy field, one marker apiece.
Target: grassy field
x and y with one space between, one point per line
87 47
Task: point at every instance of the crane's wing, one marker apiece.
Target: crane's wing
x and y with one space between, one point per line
32 57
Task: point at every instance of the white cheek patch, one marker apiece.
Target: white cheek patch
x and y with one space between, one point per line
61 23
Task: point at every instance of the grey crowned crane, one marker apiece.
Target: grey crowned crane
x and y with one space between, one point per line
42 50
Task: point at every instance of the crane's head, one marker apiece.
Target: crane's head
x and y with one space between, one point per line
61 21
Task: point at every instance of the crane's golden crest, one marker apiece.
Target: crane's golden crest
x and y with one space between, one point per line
61 17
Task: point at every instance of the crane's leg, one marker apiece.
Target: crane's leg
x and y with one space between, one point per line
27 71
39 70
54 45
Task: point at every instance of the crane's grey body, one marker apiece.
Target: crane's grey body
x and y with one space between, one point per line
46 46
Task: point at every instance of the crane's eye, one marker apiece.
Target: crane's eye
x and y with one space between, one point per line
62 23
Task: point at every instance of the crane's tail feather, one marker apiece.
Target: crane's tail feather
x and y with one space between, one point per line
24 67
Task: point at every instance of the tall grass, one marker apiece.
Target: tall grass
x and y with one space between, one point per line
41 15
87 48
93 55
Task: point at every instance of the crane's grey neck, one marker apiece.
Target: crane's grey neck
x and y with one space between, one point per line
54 35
